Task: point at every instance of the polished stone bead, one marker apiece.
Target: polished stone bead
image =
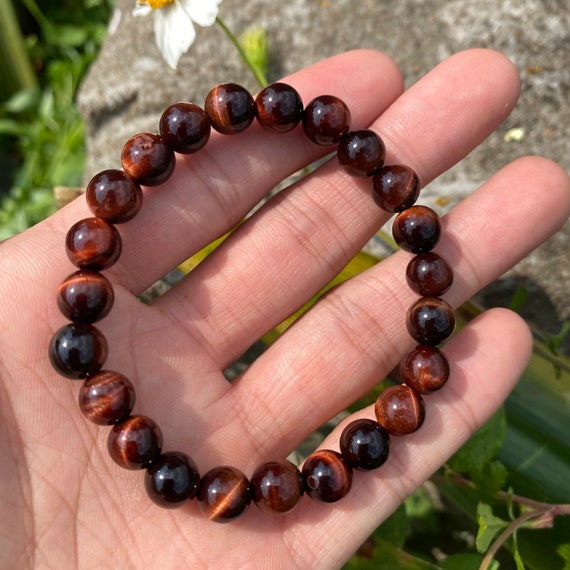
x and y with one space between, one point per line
135 443
279 108
148 159
231 108
114 196
106 398
430 320
429 275
93 243
276 487
425 369
327 476
361 153
223 494
185 127
326 120
78 350
400 410
364 444
85 296
395 188
172 480
417 229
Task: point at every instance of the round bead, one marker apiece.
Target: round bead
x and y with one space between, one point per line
279 108
114 196
400 410
361 153
223 494
326 120
148 159
85 296
172 480
276 487
231 108
425 369
135 443
93 243
364 444
327 476
430 320
417 229
395 188
185 127
78 350
106 398
429 275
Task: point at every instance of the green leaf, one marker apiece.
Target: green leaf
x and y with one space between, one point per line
564 551
489 527
395 528
519 298
490 478
465 561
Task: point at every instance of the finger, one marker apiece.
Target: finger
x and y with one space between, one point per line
293 247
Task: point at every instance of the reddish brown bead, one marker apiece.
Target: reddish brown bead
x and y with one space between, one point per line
85 296
172 480
78 350
361 153
395 188
364 444
430 320
327 476
223 494
417 229
135 443
106 398
148 159
326 120
231 108
93 243
276 487
400 410
185 127
114 196
425 369
429 275
279 108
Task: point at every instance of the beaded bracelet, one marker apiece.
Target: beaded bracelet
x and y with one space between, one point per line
78 350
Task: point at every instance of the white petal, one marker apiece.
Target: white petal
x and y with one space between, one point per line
203 12
142 10
173 32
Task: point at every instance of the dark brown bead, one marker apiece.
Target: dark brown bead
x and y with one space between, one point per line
395 188
135 443
364 444
85 296
326 120
417 229
327 476
231 108
185 127
430 320
148 159
361 153
172 480
425 369
429 275
114 196
93 243
279 108
276 487
223 494
400 410
78 350
107 398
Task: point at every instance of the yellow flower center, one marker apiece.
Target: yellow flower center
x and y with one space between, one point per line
155 4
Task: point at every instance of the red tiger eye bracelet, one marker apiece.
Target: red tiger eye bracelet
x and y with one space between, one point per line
79 350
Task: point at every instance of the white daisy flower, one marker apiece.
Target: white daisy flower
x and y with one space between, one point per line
174 23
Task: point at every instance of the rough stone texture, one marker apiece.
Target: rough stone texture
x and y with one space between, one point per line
130 85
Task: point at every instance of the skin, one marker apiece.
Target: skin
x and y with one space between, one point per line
65 504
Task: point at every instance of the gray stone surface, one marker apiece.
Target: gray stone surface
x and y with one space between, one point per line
129 86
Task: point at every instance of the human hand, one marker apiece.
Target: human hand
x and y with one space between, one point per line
65 504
